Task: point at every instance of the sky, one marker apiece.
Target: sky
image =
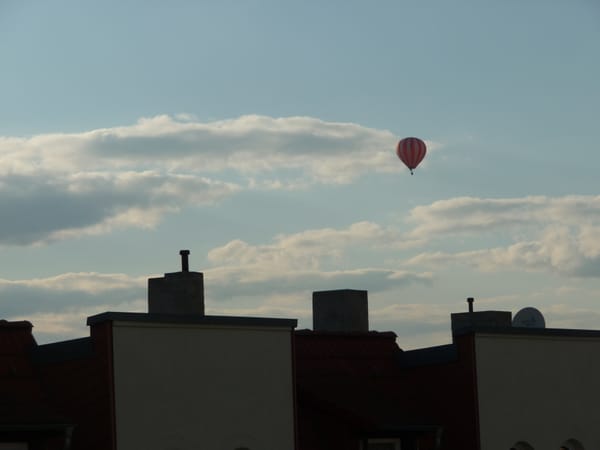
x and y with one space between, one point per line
261 135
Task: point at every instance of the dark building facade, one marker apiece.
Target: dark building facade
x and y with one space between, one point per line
27 413
176 378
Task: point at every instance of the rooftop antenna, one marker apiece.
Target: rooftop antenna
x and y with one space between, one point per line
470 301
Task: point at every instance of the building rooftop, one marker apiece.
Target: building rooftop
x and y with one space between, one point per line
192 319
526 331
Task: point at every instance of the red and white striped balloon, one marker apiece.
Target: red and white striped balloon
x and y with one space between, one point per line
411 151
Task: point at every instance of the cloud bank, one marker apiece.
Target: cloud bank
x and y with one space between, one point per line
58 186
54 186
69 292
275 278
559 235
556 235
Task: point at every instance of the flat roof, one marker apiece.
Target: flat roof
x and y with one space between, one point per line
191 319
559 332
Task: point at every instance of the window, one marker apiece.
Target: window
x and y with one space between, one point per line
383 444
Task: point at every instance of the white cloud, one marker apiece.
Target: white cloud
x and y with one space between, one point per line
91 282
560 235
297 264
68 292
248 144
308 249
54 186
470 214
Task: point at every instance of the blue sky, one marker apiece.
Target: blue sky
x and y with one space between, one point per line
261 134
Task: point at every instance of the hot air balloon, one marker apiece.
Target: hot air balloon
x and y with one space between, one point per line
411 151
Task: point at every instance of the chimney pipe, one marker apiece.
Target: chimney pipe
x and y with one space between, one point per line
185 266
470 301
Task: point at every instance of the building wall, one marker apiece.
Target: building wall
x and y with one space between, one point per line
82 388
542 390
445 395
199 386
344 381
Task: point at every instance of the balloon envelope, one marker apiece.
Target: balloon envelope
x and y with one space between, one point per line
411 151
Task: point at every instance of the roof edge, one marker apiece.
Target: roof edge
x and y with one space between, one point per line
190 319
566 332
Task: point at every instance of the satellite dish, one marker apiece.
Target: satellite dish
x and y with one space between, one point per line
529 318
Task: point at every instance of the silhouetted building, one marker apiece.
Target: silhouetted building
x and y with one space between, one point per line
175 378
495 387
27 419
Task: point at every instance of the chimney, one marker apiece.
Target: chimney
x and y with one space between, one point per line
468 321
177 292
470 301
343 311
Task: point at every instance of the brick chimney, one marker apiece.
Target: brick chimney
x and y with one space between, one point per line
177 292
343 310
469 321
